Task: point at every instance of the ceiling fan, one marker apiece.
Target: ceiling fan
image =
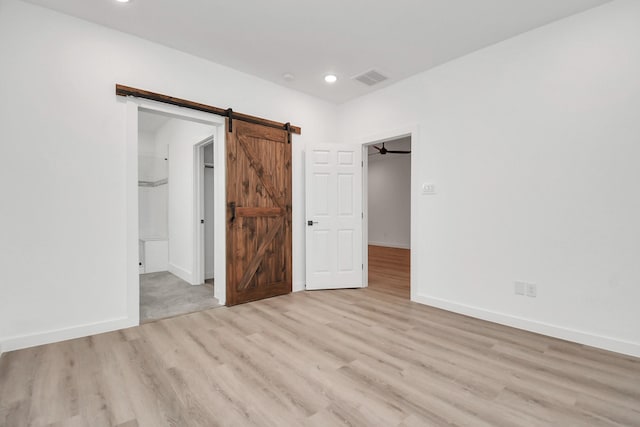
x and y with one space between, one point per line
384 151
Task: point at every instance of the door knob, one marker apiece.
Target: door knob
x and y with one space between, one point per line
310 223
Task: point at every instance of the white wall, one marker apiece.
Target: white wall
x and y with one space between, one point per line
389 200
153 212
146 147
533 145
64 273
152 165
181 136
152 201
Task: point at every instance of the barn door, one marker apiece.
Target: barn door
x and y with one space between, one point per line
258 212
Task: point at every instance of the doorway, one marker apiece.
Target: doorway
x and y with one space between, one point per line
387 194
208 187
170 281
166 249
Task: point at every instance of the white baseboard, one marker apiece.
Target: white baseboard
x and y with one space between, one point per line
580 337
298 286
390 245
57 335
182 273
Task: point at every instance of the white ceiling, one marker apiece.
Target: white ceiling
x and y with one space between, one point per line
151 122
311 38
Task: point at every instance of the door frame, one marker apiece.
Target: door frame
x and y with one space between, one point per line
379 138
133 106
198 209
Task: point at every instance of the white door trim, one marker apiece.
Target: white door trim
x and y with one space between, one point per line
198 209
133 105
379 138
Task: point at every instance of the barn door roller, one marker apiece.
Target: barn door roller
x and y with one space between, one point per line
287 127
230 116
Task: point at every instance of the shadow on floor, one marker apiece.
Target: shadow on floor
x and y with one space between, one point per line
164 295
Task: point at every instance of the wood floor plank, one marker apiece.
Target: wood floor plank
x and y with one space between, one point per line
354 357
54 377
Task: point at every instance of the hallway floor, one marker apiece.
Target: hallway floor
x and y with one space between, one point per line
165 295
389 271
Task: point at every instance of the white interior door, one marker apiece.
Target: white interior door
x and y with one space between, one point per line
333 189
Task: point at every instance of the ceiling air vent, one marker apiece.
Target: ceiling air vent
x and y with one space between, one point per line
371 77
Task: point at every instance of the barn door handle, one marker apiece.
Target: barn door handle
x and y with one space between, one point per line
232 205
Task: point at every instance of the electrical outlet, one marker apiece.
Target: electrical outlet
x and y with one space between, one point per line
518 288
532 290
428 189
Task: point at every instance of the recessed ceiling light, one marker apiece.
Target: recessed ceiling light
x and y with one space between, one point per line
123 1
330 78
288 77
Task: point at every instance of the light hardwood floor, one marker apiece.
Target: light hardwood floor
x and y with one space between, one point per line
363 357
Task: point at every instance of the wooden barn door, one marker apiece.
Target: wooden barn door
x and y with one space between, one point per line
258 212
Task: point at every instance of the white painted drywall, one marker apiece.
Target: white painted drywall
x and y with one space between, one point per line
152 201
389 200
533 146
146 147
181 136
209 234
153 212
63 153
